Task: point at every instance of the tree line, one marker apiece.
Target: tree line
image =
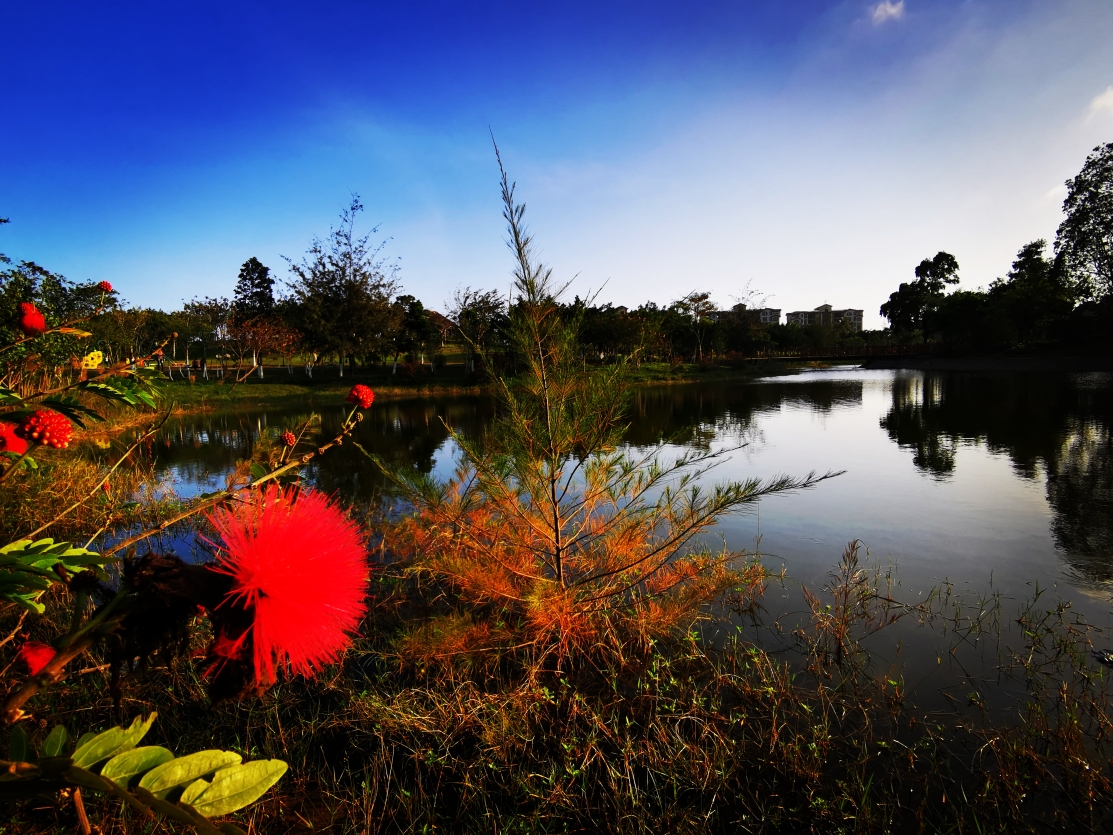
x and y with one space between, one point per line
343 303
1064 296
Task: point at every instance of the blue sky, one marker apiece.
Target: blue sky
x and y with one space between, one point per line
811 151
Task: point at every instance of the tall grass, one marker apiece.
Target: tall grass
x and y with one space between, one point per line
742 725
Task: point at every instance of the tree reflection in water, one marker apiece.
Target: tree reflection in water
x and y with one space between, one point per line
1055 425
1057 428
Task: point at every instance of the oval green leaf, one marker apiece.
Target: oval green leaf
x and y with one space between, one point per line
123 767
161 779
56 741
112 742
193 791
237 786
19 747
85 737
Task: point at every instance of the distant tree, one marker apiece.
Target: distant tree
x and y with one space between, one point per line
478 315
416 331
254 295
911 307
961 319
213 320
344 290
1034 294
739 330
696 308
1084 242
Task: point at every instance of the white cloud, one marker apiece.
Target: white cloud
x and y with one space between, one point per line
887 10
1102 102
1057 194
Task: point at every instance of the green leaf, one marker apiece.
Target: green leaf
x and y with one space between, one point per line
237 786
72 409
85 737
19 747
193 791
27 462
55 742
112 742
258 471
161 779
26 568
123 767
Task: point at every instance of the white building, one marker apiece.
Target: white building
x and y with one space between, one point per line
826 315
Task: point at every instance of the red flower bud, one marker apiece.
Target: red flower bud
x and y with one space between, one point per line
362 396
105 287
31 320
47 428
10 440
289 438
35 655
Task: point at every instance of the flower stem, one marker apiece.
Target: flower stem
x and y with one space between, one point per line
15 464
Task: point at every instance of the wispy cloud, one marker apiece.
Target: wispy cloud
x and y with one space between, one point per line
886 10
1102 103
1057 194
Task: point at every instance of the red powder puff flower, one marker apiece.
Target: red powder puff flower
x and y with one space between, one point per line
35 655
300 567
10 440
105 287
47 428
31 320
362 396
289 438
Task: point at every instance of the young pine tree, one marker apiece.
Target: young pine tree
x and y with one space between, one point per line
550 534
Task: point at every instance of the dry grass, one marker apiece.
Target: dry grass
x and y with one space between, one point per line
761 729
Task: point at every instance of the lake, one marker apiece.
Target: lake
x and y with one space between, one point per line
993 482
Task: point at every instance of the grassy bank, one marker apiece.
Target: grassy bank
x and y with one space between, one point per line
737 726
279 386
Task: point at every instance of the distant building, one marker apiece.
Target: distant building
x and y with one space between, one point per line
769 315
825 315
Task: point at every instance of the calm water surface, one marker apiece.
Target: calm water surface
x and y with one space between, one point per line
995 481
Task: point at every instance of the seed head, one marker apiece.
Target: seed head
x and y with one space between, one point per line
362 396
47 428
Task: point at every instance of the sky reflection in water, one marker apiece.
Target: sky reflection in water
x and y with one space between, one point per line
1001 481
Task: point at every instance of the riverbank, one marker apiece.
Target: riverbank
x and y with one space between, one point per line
1006 362
279 386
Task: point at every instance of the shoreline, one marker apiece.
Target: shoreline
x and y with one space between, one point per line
992 363
207 396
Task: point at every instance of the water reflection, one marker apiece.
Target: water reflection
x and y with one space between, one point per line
1055 431
197 453
1055 427
696 415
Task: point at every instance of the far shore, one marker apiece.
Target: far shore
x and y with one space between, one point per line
994 362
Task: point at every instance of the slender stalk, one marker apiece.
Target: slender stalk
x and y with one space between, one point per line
212 501
15 464
154 428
